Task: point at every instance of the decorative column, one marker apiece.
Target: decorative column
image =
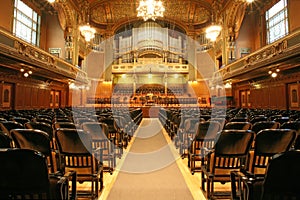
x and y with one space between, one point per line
69 45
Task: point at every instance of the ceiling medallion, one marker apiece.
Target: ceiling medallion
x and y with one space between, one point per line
150 9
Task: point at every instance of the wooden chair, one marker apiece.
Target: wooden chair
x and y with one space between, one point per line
69 125
261 125
114 134
43 127
188 131
99 133
76 153
6 126
36 140
202 143
24 175
294 125
5 140
238 126
268 142
229 153
281 180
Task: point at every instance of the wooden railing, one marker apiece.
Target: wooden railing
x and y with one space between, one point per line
283 50
17 49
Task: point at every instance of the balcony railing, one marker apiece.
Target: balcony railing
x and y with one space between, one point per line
17 49
280 51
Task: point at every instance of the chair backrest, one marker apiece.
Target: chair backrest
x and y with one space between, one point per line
73 141
258 119
97 130
75 147
69 125
111 124
21 120
269 142
23 173
205 136
207 130
238 126
282 177
40 126
5 141
258 126
295 125
222 121
234 142
36 140
231 150
76 154
32 139
190 125
9 125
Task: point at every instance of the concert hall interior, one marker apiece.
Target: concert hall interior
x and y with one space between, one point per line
149 99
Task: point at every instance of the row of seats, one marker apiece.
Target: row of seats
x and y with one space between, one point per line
224 149
78 144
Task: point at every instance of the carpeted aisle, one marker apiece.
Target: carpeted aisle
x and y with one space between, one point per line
149 170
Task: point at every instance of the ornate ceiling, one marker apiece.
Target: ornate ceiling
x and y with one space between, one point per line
191 16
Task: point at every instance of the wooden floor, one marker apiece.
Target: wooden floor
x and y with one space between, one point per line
192 181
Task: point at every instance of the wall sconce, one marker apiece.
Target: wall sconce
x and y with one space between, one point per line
274 73
25 73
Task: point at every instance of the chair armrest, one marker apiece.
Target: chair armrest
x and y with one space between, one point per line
206 172
98 154
64 181
73 175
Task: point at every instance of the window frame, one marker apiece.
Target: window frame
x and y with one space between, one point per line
29 22
283 20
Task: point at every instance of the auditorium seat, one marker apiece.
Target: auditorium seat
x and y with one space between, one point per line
281 180
229 153
76 154
268 142
24 175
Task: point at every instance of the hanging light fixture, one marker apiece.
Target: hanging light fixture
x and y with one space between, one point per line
150 9
87 32
212 32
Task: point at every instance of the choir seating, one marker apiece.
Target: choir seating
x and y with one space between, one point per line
24 175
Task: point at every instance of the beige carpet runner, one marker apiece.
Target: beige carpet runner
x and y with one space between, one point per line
149 170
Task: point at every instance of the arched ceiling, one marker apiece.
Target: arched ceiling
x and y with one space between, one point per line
188 14
191 16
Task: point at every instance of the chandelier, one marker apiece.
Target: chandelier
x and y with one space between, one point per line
150 9
212 32
87 32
